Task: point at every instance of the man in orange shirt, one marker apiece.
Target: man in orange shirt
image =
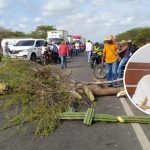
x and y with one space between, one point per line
63 52
110 58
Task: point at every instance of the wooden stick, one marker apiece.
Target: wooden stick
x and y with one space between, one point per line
105 82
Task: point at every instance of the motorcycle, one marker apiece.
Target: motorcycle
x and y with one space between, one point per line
46 56
95 59
97 66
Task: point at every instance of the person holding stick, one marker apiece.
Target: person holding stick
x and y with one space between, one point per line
110 57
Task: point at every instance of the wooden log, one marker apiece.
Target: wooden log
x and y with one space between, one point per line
98 91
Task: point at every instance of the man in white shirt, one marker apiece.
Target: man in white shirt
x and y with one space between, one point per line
76 48
141 96
88 49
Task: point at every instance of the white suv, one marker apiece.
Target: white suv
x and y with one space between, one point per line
28 49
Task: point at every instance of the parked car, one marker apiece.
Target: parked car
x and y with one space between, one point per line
27 48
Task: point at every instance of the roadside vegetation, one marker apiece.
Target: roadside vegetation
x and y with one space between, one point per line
40 32
31 96
138 35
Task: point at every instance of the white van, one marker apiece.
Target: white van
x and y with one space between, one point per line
27 48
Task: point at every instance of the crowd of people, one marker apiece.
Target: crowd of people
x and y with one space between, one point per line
60 52
113 54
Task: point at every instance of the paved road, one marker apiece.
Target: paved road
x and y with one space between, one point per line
74 135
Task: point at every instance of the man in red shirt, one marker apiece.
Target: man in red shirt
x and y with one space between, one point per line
63 52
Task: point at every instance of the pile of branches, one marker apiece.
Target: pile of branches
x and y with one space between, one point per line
35 96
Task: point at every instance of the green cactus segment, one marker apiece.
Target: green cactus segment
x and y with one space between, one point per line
72 115
136 119
105 118
89 116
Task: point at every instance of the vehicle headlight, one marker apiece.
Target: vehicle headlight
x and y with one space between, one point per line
26 50
24 53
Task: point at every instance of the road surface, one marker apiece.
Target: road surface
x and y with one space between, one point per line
74 135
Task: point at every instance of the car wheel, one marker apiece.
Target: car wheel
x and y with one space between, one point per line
33 57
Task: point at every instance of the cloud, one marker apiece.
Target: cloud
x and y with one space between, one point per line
57 7
38 19
96 26
2 23
100 2
92 19
24 19
3 4
127 21
21 26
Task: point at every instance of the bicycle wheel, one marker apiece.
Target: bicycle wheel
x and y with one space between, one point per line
99 71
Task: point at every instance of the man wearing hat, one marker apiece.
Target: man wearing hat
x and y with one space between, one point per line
133 48
110 58
125 57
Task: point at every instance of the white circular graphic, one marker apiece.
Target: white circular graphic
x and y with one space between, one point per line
137 79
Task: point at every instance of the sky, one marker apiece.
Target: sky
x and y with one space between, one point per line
92 19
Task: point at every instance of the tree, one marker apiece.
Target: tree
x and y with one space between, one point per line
40 32
42 29
137 35
18 34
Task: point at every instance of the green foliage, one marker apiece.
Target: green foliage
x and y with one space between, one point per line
33 96
44 28
40 32
137 35
18 34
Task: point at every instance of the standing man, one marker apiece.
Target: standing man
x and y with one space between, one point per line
54 51
125 52
63 52
110 58
6 49
77 48
133 48
89 49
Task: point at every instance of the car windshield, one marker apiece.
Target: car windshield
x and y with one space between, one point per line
55 40
25 43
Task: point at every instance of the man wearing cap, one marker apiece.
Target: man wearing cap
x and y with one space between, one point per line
133 48
125 57
110 58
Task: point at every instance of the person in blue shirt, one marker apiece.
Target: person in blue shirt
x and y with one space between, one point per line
124 53
54 51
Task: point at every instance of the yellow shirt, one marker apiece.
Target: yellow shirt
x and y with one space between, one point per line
110 52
